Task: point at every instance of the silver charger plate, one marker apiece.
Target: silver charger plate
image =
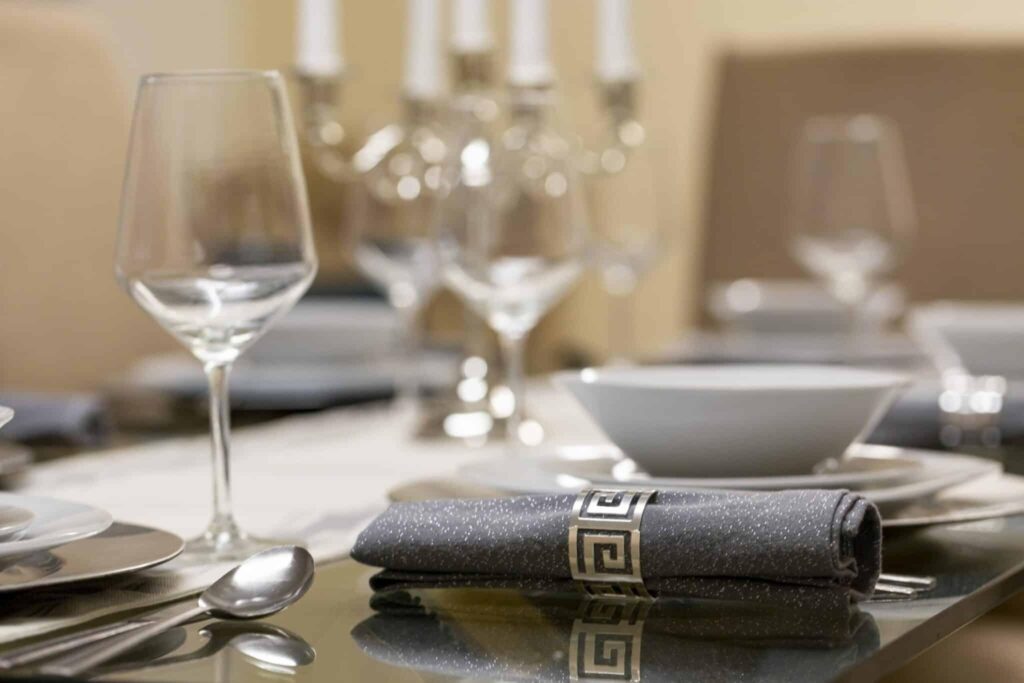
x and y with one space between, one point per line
121 549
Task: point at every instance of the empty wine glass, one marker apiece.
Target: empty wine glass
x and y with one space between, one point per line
392 208
626 234
214 239
851 213
511 228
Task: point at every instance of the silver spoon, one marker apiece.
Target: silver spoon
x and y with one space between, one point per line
264 584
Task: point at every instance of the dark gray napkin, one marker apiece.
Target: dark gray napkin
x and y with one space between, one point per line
692 542
79 419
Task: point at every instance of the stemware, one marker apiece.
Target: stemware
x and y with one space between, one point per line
214 239
400 167
851 212
511 229
626 235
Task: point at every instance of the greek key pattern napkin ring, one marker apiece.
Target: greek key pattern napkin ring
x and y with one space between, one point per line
605 641
604 542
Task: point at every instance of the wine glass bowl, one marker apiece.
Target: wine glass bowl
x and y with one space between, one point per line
511 227
620 184
214 238
851 214
400 169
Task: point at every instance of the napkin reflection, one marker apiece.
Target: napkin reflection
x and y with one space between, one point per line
800 633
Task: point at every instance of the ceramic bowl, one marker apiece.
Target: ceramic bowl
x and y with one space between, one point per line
733 420
986 336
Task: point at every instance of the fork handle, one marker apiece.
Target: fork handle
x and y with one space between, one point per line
75 663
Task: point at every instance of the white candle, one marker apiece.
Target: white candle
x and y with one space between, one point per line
317 46
424 72
529 60
471 26
615 60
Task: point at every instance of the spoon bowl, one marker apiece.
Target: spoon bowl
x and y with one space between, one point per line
264 584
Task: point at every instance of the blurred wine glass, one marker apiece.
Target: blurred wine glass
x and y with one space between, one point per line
400 169
215 240
626 236
851 211
511 229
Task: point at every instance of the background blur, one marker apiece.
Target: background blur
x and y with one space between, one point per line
68 71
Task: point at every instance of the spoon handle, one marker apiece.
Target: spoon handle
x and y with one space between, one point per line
75 663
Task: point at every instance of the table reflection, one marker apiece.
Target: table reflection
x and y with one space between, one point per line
797 634
273 649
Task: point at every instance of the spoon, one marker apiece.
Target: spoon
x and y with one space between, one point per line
264 584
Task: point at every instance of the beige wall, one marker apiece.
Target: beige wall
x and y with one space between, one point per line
677 40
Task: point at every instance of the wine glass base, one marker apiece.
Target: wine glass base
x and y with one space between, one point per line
237 546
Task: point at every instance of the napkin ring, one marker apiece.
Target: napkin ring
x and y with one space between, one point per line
604 542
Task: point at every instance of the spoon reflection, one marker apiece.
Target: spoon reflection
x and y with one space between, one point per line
271 648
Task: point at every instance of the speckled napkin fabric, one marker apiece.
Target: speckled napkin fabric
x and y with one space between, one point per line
697 543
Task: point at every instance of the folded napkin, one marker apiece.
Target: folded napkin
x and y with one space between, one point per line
79 419
522 638
697 543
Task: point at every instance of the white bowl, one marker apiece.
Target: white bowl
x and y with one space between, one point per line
987 336
5 415
733 420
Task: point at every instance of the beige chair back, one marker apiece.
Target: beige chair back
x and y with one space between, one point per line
961 112
64 117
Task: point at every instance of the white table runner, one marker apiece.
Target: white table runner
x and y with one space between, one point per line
318 477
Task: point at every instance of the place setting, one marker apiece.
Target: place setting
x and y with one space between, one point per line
806 422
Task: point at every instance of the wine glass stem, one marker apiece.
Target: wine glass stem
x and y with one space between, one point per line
512 348
620 327
222 526
408 389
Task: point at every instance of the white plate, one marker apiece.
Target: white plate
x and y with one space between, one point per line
13 521
55 523
972 501
869 466
5 415
575 468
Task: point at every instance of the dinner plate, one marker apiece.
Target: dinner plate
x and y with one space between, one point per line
13 521
972 501
571 470
866 466
120 549
54 523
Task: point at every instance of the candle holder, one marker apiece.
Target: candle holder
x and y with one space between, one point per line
320 127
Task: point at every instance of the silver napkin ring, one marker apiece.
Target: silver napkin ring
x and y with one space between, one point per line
604 542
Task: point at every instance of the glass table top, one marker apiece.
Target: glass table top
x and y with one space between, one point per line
340 631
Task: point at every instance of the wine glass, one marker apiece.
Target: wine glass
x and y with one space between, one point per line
214 239
627 237
400 169
851 213
511 229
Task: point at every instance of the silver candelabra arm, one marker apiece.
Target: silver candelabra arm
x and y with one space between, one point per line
320 127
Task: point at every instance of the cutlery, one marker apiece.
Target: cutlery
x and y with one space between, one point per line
262 585
51 647
903 585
